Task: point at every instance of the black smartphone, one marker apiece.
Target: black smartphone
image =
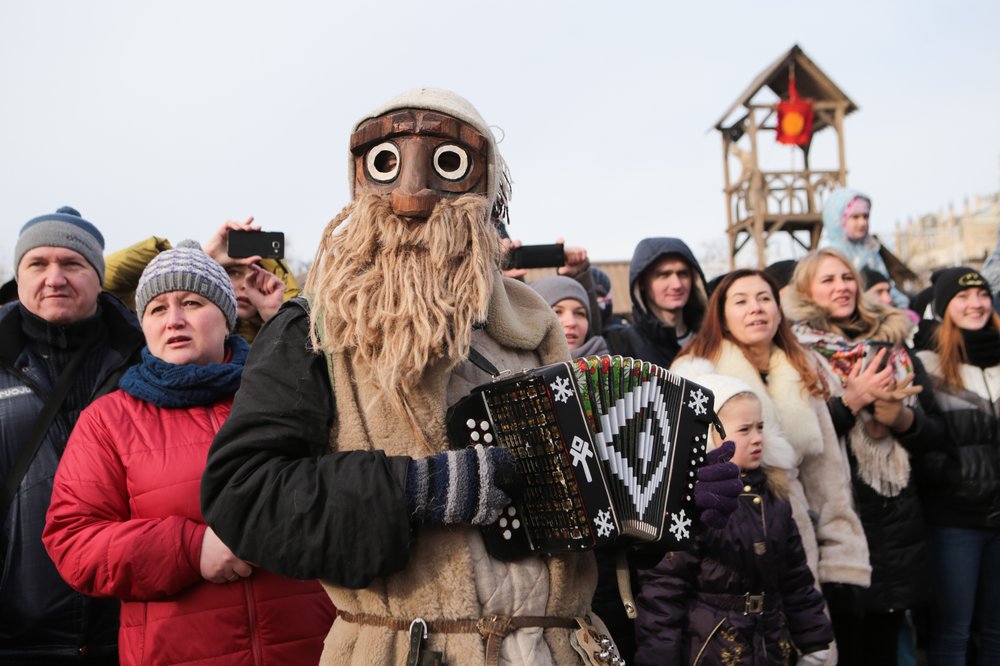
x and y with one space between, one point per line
536 256
872 349
263 244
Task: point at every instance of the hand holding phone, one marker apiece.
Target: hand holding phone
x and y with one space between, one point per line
536 256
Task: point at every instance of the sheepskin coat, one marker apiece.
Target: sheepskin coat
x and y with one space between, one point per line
324 479
799 437
884 494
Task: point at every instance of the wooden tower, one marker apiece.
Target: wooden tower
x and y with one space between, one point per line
759 201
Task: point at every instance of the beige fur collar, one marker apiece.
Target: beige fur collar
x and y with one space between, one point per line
521 319
779 451
893 326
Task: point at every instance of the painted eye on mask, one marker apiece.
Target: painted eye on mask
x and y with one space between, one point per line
451 162
382 162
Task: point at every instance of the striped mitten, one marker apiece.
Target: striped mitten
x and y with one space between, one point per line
465 486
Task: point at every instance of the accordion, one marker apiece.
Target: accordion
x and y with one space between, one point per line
608 447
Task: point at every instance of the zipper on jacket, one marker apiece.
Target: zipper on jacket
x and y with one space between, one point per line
708 639
255 649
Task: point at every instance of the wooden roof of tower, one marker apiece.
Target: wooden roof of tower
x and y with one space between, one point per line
765 200
810 81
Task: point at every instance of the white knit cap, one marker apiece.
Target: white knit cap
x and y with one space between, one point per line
456 106
723 387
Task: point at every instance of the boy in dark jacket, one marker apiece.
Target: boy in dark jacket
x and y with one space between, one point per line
743 595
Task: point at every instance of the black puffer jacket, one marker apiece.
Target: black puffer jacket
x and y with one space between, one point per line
960 480
692 606
41 617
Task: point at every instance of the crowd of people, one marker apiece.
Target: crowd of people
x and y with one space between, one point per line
204 463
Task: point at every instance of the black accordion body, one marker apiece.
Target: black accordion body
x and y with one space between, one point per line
609 447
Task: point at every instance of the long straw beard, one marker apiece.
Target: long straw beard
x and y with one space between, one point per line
397 295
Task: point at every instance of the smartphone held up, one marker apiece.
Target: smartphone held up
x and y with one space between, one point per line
263 244
536 256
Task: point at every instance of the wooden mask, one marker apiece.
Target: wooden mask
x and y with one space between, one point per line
418 157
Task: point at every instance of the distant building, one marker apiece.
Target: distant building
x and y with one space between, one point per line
950 238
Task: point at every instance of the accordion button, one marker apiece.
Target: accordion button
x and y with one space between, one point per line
474 436
471 423
507 535
756 500
488 438
747 489
516 524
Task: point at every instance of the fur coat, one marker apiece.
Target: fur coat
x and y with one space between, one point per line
883 464
449 574
799 437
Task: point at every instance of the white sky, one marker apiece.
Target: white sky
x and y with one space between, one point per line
168 118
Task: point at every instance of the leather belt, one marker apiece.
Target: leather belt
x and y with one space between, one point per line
749 604
492 628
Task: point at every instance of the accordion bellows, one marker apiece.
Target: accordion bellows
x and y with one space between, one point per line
608 445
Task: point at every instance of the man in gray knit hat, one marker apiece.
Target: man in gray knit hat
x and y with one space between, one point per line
62 345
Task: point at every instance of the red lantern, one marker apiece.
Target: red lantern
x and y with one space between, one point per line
795 118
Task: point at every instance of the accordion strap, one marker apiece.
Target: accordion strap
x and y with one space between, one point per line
625 583
482 362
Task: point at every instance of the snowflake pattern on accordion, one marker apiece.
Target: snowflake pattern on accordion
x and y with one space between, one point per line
608 446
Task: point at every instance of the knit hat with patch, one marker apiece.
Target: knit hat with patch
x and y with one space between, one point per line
63 228
953 280
187 268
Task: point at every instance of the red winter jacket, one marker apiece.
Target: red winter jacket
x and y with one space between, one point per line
125 522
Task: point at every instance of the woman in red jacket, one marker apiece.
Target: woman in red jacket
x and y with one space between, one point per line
125 520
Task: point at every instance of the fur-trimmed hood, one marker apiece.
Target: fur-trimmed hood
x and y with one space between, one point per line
893 325
790 427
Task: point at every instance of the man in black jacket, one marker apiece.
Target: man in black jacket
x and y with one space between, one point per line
61 320
668 302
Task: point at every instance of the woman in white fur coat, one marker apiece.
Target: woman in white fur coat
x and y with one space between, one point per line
744 335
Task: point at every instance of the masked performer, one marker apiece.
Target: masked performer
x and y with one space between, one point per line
335 462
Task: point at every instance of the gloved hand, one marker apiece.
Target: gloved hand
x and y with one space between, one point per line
718 487
817 658
844 598
466 486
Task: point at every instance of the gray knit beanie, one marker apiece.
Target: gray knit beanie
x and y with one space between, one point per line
187 268
556 288
63 228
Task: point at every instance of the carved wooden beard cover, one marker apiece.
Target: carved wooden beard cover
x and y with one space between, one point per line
418 157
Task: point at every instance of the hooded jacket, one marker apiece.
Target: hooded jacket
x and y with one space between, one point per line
863 253
40 615
681 619
648 338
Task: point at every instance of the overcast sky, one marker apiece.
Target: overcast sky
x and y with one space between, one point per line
168 118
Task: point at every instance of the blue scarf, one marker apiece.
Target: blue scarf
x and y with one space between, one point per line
175 386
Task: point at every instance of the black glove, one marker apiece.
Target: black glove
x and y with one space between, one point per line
718 487
843 598
466 486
